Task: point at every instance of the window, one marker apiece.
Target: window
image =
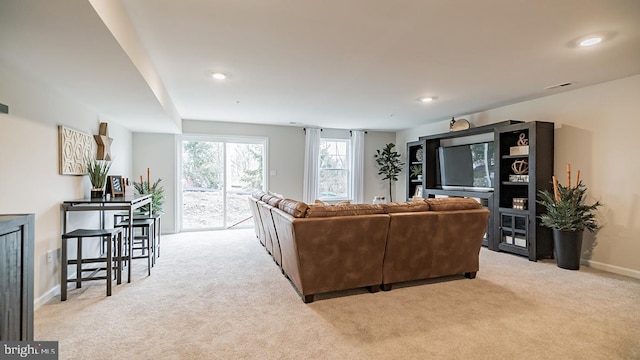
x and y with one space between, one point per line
217 175
334 173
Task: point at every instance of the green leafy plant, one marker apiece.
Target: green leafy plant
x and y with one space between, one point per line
416 170
98 170
389 164
156 191
566 208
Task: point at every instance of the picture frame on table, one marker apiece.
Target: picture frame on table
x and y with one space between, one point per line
418 191
115 185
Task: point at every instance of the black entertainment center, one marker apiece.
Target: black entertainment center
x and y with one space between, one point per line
479 163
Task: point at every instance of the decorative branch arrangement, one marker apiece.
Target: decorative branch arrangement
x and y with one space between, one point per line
566 208
155 189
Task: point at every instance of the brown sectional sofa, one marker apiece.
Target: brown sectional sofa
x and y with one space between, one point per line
328 248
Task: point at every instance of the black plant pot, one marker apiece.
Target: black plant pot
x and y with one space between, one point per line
568 245
97 193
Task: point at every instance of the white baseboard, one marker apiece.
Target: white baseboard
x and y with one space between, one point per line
53 292
611 268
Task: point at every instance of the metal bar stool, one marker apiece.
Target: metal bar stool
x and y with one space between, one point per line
156 216
145 241
104 235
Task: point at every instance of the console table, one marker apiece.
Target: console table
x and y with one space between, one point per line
127 203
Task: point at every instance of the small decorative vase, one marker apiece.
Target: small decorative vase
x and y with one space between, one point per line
97 193
568 245
379 200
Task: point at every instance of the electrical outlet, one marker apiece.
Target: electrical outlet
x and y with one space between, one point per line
52 256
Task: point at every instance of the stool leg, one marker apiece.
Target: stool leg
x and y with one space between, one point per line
152 231
63 271
148 246
158 228
119 259
79 265
109 266
129 241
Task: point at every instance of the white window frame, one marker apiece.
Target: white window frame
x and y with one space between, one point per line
213 138
347 167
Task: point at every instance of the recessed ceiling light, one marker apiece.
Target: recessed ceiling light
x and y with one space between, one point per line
590 41
219 76
427 99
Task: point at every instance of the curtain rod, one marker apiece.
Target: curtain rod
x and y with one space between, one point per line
351 132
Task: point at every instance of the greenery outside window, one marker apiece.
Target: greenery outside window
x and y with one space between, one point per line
334 170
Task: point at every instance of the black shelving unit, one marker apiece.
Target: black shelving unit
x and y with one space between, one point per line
415 157
519 230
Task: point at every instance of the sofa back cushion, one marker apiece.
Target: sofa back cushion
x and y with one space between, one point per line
272 200
343 210
450 204
294 208
258 194
409 206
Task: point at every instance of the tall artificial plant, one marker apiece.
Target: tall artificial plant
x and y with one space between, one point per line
389 164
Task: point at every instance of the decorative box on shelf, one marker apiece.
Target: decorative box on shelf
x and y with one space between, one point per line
519 150
515 240
519 178
520 203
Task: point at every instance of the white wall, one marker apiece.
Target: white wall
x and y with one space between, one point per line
157 152
286 157
29 178
596 131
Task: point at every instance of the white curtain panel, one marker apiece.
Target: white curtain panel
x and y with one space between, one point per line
357 166
311 165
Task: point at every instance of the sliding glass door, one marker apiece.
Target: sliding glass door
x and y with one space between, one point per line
217 175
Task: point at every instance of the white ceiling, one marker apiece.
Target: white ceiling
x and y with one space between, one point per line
356 64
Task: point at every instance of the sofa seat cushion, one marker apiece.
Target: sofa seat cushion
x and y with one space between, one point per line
450 204
343 210
409 206
294 208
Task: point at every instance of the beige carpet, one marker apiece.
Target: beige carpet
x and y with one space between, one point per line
219 295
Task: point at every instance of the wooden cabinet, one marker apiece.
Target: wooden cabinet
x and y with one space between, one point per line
518 227
414 164
16 277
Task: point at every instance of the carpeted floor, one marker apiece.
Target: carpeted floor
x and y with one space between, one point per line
219 295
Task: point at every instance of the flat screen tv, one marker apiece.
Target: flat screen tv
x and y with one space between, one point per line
467 167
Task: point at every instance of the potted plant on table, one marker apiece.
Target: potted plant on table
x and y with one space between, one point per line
390 165
568 215
97 170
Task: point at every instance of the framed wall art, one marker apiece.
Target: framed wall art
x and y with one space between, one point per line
74 150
